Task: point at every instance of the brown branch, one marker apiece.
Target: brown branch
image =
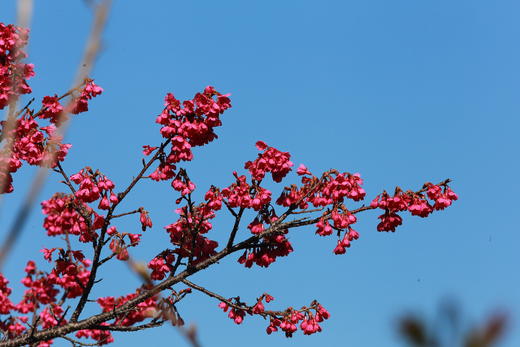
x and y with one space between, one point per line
126 213
76 342
25 108
235 228
67 180
230 209
248 309
308 211
122 195
130 328
104 260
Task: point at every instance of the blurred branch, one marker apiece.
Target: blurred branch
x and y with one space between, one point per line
91 51
24 14
444 330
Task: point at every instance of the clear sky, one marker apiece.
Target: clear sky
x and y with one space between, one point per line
401 91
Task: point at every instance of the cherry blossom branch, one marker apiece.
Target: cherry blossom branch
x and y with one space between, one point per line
80 209
99 246
168 283
300 223
130 305
305 221
244 307
295 205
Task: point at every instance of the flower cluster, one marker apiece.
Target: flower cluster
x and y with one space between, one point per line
94 185
52 316
35 144
5 304
13 74
80 103
238 309
27 140
55 112
188 124
72 276
270 160
269 247
182 183
332 188
266 252
144 218
188 233
30 143
144 310
307 317
52 109
70 273
414 202
102 337
118 243
161 265
66 215
241 194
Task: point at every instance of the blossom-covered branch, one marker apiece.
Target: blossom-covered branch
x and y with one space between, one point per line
54 301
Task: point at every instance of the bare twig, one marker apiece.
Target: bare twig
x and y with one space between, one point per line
126 213
75 342
130 328
235 228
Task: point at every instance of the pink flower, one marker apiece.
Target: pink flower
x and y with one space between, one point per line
261 145
302 170
147 150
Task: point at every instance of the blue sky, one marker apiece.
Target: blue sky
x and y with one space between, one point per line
401 91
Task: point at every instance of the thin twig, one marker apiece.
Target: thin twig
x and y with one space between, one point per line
244 307
235 228
76 342
130 328
126 213
67 180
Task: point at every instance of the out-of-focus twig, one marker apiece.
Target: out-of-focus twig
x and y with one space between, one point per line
25 10
90 54
190 333
444 330
24 14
